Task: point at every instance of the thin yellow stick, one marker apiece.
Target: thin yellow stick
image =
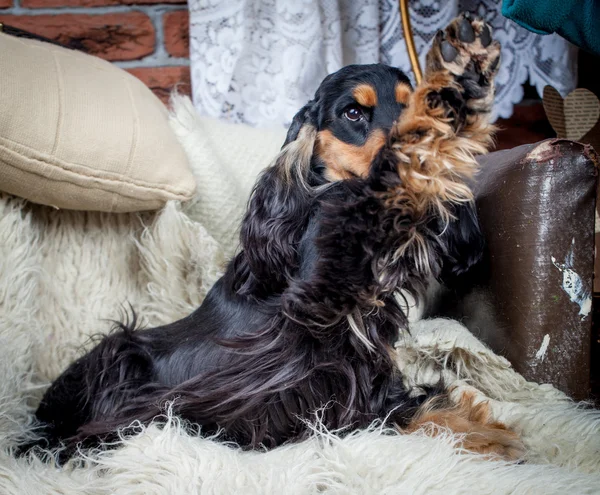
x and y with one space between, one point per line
410 42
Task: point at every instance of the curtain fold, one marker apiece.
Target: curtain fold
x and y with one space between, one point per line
259 61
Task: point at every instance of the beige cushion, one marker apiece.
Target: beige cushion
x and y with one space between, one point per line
77 132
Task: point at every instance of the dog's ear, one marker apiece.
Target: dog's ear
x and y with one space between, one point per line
306 115
277 214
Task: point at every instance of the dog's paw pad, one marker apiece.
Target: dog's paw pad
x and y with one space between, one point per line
466 33
449 53
466 47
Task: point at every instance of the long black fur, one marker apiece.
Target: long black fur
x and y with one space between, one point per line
273 342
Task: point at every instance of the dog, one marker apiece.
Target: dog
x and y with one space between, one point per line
369 196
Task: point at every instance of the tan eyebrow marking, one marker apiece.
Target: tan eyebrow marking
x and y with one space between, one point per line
403 93
365 95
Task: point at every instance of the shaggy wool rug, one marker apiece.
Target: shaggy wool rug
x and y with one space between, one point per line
64 275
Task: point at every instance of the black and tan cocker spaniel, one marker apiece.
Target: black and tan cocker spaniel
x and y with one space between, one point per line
368 196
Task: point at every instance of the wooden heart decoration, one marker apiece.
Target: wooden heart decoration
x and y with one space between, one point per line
573 117
582 110
555 111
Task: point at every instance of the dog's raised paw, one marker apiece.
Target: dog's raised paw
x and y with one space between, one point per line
466 48
465 57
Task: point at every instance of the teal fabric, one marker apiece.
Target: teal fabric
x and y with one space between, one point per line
578 21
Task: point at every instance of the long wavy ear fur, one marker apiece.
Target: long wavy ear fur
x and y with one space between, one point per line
278 211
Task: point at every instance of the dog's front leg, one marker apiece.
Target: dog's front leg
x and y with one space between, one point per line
365 246
447 119
445 125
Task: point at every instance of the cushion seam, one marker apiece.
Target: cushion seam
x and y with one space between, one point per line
59 120
122 194
134 137
117 178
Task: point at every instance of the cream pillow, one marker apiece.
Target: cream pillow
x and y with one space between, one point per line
77 132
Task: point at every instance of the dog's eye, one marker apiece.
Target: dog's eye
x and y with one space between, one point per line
354 113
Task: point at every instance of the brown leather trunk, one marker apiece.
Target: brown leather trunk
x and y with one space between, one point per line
532 302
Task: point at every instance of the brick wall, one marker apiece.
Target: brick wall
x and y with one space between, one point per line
149 38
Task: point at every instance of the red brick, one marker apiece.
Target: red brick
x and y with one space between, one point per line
41 4
177 33
127 36
4 4
162 80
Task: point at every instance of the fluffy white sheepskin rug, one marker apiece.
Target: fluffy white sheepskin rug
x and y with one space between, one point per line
63 275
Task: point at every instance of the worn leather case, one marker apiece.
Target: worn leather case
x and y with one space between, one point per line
532 295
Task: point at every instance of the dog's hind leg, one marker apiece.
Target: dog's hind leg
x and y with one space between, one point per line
63 408
471 420
100 384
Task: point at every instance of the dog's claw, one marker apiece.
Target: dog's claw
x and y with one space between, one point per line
486 36
448 51
466 34
494 65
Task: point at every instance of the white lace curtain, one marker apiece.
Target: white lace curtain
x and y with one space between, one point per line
259 61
